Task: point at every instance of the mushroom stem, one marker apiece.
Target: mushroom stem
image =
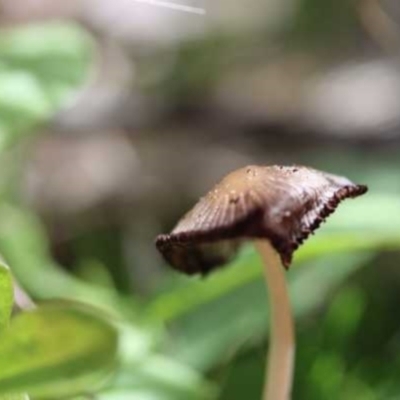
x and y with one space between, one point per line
279 372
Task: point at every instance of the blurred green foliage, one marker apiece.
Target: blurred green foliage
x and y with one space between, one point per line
55 350
7 297
321 24
193 339
40 67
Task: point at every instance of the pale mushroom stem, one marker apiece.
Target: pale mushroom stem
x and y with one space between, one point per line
279 371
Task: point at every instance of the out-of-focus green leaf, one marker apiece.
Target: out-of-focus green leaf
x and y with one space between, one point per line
343 316
21 93
14 397
6 295
40 67
327 374
144 374
316 23
160 378
217 330
56 350
24 245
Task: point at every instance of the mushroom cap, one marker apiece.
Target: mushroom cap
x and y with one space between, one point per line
281 204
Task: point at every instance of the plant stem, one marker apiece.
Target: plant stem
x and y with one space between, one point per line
279 372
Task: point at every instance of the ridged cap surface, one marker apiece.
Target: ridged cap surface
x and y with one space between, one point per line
281 204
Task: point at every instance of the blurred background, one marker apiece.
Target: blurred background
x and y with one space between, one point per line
116 116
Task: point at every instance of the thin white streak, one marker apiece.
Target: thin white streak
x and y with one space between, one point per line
174 6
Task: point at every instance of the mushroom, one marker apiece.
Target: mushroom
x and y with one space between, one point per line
277 207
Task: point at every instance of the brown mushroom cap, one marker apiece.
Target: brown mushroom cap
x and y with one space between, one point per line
281 204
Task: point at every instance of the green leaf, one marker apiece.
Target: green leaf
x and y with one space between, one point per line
217 330
40 67
144 374
56 350
343 316
159 378
24 245
14 397
6 295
